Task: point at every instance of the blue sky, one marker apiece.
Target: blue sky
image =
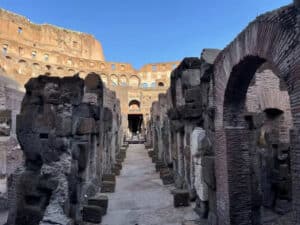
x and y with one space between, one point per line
148 31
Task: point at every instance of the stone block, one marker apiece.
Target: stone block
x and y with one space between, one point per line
181 198
163 171
85 126
192 95
108 187
109 177
92 214
159 165
100 201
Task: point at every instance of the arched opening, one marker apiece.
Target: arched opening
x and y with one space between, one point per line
161 84
135 122
257 120
134 81
123 80
134 105
114 80
22 66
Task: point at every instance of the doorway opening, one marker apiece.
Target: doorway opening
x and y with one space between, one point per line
135 122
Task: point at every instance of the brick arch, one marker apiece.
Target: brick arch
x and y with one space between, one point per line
270 38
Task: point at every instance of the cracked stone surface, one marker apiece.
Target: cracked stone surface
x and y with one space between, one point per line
140 197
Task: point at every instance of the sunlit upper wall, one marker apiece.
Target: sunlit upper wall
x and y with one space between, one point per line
46 41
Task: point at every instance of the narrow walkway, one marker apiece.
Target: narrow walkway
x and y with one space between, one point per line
140 197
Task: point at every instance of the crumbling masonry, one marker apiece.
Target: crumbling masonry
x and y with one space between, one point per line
228 127
68 129
225 134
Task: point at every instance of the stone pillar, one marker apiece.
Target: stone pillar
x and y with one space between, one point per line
238 178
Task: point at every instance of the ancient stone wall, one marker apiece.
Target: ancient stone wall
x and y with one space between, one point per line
64 129
182 130
234 124
29 50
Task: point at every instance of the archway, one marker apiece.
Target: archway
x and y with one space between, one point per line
114 80
262 41
134 81
161 84
135 122
134 105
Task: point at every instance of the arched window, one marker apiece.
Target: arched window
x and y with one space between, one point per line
123 80
134 105
161 84
134 81
114 80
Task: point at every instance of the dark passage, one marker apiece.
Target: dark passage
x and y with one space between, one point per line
135 122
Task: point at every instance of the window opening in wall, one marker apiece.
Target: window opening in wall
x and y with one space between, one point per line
153 84
20 30
174 66
4 49
46 57
113 66
33 54
154 67
161 84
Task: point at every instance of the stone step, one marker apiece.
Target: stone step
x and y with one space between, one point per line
92 214
100 201
108 187
181 198
109 177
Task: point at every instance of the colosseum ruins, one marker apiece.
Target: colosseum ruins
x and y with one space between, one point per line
208 140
